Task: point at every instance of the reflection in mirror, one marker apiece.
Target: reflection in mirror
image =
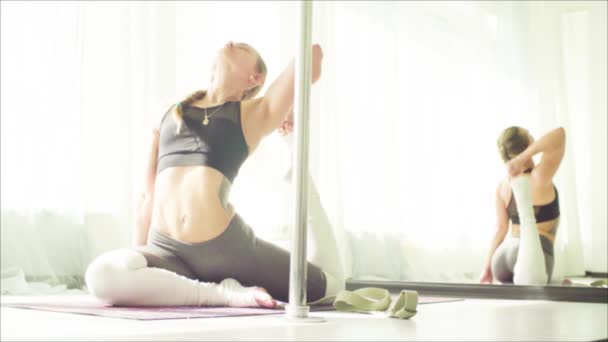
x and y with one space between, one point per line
466 142
528 201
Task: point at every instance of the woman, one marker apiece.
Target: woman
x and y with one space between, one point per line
191 245
517 147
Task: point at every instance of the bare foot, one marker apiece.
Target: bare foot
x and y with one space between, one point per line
263 299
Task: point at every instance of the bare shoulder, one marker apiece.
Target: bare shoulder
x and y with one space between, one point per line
503 191
163 114
541 187
253 107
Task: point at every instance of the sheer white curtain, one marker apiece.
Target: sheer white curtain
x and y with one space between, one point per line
80 81
584 35
82 85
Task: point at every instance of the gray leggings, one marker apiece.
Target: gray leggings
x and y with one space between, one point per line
237 253
503 262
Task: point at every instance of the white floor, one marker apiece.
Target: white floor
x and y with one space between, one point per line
487 320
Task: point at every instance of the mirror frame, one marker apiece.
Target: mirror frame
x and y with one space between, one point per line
490 291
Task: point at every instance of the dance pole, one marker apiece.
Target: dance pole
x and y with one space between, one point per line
297 308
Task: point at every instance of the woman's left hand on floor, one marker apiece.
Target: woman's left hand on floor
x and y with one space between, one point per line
486 277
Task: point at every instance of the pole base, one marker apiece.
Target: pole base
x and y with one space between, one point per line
299 314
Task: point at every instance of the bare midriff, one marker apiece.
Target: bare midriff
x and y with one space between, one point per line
188 203
544 195
547 229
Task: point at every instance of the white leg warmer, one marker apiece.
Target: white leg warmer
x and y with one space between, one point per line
324 247
121 277
321 241
334 285
530 266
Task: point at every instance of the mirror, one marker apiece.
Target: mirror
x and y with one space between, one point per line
406 156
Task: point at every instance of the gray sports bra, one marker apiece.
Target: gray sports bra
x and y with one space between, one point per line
220 144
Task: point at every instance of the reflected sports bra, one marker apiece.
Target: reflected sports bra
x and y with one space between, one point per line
220 144
542 213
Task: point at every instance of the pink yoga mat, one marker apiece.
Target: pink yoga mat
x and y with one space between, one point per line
145 313
158 313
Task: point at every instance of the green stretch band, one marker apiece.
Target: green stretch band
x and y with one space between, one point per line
600 283
375 301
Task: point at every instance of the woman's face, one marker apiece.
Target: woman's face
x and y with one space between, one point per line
235 64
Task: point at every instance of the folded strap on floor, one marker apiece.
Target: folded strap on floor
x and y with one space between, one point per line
600 283
404 306
374 300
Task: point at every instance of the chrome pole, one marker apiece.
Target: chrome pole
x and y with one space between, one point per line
297 308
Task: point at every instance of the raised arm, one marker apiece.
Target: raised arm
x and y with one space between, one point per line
277 102
145 200
552 145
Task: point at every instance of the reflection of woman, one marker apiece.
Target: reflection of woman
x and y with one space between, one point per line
197 240
517 147
322 247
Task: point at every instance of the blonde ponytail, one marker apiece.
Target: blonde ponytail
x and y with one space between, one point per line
178 112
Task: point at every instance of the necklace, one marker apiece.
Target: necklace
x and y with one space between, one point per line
206 119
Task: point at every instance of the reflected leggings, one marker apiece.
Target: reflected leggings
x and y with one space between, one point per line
505 257
237 253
